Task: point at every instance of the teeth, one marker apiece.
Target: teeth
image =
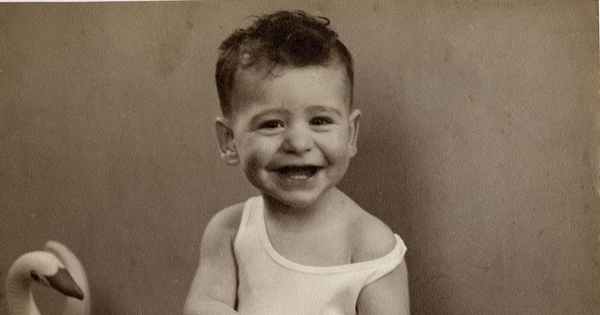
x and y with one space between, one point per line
298 176
298 172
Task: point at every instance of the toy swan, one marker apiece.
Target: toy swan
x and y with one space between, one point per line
48 268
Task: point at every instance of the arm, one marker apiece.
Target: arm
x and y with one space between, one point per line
387 295
213 290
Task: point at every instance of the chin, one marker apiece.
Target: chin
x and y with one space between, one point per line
300 204
297 202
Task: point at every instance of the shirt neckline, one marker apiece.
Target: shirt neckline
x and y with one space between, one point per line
266 242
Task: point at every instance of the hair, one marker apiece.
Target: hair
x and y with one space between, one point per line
283 38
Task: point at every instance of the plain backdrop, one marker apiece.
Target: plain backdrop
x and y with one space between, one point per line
477 146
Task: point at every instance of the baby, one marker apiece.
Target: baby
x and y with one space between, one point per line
302 246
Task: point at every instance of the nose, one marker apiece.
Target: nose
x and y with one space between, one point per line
297 139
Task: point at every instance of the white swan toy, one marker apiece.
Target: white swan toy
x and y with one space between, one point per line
48 268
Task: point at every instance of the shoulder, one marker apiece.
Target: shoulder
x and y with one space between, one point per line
370 237
216 279
229 217
224 224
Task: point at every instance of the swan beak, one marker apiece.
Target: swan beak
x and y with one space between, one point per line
63 282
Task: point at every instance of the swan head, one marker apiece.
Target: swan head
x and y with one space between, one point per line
45 269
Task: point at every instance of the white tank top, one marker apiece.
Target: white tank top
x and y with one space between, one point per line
269 284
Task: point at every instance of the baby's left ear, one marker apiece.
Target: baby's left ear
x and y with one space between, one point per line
354 128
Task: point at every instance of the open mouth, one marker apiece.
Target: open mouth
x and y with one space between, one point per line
298 172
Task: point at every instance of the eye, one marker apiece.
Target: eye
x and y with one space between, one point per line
35 276
321 120
270 124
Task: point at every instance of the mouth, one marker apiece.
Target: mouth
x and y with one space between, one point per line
298 172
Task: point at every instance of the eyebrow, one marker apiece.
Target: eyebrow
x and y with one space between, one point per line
321 108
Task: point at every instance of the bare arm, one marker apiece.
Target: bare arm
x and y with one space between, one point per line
213 290
387 295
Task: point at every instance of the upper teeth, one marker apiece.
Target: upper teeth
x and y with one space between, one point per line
300 172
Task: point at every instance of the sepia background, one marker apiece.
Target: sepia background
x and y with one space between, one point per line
477 145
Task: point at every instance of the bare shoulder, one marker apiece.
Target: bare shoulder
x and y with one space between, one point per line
225 223
215 281
371 237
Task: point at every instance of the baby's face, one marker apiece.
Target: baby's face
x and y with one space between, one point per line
294 131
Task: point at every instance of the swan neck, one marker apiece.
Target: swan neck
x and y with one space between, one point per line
19 298
21 302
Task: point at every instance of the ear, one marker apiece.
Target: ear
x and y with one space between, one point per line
226 144
354 128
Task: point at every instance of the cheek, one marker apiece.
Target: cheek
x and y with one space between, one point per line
255 156
337 146
252 167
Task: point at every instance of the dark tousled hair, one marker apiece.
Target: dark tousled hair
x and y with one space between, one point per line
283 38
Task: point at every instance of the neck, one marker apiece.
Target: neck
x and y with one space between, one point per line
19 298
301 217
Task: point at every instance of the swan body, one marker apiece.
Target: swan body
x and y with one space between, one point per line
45 268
